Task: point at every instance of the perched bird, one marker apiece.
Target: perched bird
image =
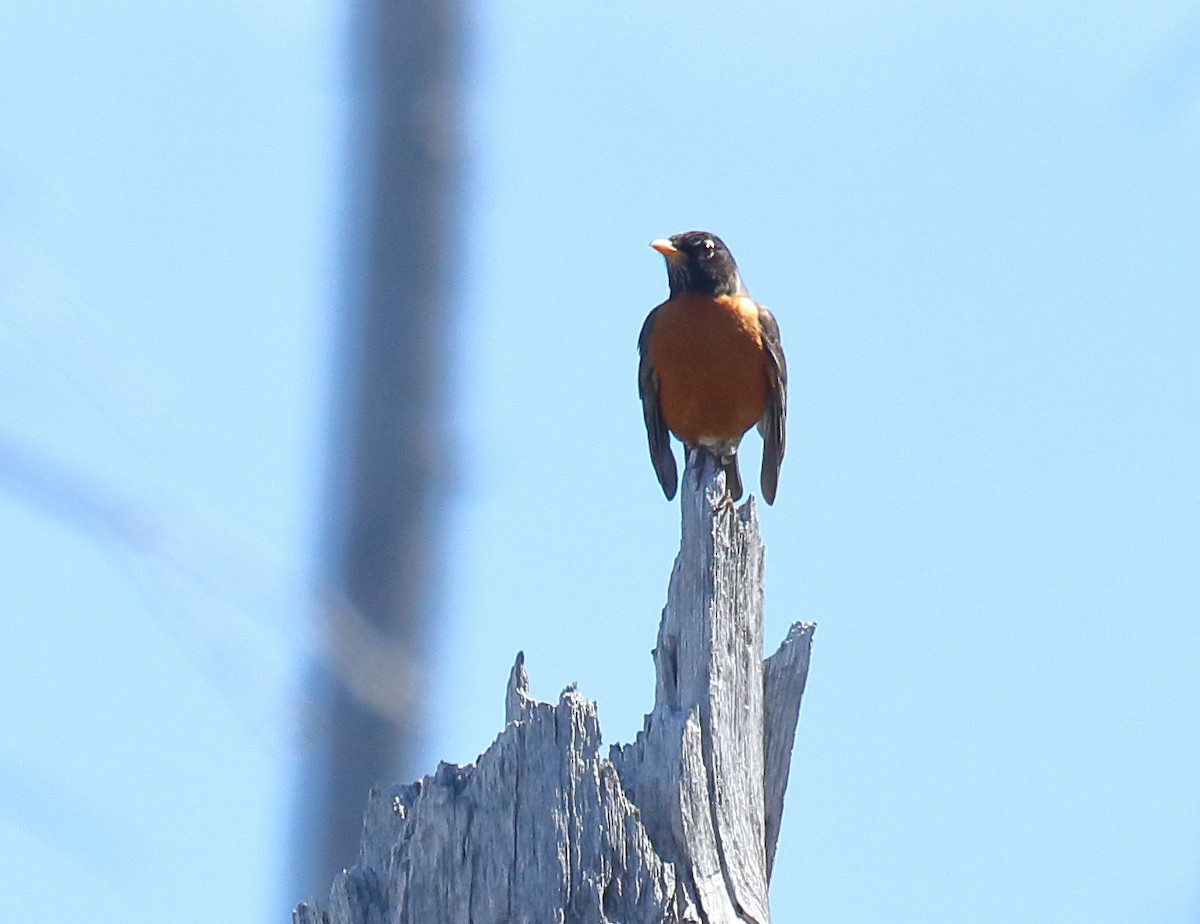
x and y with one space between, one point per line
711 365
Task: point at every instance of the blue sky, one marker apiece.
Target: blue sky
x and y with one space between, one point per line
978 227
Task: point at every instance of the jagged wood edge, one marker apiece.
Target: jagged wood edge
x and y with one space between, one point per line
693 833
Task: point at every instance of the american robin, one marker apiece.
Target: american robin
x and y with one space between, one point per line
711 365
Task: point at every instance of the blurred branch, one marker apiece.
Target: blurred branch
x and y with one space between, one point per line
386 453
233 609
1166 83
214 571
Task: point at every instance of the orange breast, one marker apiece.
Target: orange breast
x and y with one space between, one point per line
711 368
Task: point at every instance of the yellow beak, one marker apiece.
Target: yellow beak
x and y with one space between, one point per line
667 249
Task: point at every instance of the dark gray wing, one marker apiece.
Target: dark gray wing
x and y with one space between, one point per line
656 427
773 425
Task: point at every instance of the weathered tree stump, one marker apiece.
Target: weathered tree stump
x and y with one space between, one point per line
679 826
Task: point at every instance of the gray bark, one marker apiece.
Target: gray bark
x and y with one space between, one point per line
679 826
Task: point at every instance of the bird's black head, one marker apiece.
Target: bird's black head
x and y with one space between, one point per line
699 263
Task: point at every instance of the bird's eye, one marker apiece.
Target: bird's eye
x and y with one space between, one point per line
708 243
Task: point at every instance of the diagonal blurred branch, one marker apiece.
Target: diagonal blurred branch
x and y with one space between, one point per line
1166 83
232 607
224 596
